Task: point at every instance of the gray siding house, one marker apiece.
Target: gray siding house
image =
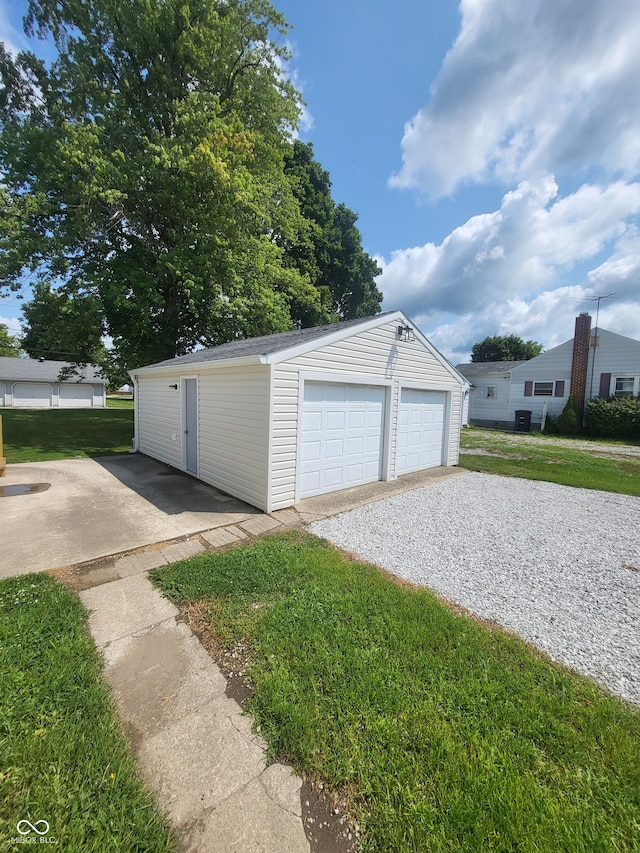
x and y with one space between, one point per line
594 363
276 419
31 383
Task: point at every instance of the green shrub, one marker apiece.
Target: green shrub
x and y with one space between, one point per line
568 422
614 417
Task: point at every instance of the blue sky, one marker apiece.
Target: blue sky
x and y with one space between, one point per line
490 148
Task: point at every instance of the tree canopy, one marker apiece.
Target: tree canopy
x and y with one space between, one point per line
150 170
9 345
505 348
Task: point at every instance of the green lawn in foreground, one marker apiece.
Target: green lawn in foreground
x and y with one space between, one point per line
64 757
544 460
443 734
35 435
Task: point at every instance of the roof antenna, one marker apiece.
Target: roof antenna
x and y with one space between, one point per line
597 299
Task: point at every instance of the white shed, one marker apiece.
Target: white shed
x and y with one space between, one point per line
276 419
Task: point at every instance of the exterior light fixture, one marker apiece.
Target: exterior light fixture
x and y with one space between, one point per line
175 387
405 333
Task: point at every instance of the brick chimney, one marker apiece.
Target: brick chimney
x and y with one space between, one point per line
580 361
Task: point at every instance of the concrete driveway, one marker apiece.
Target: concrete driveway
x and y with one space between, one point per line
91 508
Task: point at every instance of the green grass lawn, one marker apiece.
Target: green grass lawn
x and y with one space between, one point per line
64 757
551 460
442 734
35 435
119 402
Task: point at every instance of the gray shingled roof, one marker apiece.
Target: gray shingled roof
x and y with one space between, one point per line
264 345
33 370
484 368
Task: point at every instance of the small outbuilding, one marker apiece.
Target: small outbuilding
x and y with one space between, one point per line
279 418
42 384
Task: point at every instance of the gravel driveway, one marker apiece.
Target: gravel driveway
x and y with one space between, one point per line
559 566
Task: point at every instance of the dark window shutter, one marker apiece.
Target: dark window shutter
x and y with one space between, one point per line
528 389
560 388
605 384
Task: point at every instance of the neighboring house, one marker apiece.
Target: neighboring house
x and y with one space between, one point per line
486 404
276 419
35 383
592 364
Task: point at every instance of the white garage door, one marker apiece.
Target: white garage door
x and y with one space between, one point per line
342 436
420 430
31 394
75 396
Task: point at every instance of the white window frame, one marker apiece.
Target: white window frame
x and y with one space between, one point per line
635 385
491 392
538 392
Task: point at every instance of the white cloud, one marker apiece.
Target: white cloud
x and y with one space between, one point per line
497 273
529 88
12 324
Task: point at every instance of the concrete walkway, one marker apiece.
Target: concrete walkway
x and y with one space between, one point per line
195 749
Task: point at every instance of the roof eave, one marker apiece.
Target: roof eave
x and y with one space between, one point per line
191 367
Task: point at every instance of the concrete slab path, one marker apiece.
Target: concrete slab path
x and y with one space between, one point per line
195 748
96 507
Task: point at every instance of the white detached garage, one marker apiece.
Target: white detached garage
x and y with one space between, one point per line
276 419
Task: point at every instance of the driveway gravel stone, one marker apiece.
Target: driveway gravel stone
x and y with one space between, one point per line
560 566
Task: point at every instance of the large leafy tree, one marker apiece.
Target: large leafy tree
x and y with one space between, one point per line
65 326
505 348
9 345
143 169
62 327
327 250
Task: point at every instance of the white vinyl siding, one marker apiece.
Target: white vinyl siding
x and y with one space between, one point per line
373 354
482 406
159 423
234 431
552 367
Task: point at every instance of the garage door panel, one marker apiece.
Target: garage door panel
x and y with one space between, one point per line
333 476
310 482
347 421
32 394
75 396
355 445
420 430
356 420
335 420
311 450
334 448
